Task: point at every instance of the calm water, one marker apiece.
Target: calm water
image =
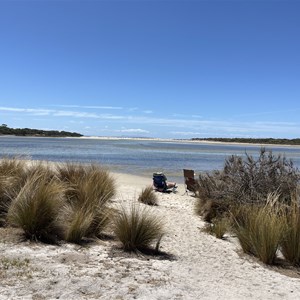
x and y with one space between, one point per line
135 156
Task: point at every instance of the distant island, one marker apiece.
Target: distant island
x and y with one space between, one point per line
5 130
252 140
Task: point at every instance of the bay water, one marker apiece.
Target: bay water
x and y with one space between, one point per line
136 156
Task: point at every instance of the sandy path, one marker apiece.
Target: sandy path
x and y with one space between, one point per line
202 267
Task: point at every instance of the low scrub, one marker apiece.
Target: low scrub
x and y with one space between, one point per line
137 228
246 180
147 196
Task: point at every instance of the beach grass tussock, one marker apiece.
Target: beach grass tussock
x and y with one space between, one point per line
12 176
137 228
259 229
218 227
290 244
12 166
147 196
86 213
36 208
88 183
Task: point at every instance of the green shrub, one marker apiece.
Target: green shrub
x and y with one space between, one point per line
137 228
37 206
147 196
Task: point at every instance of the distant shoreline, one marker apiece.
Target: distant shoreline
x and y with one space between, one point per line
209 142
164 140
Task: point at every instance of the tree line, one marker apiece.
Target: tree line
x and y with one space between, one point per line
5 130
252 140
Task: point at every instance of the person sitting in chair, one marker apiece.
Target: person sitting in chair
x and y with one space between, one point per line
161 184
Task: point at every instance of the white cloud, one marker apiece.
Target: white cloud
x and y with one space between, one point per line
132 109
185 133
148 112
90 106
75 114
33 111
184 126
134 130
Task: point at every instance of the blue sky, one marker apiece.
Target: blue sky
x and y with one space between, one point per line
168 69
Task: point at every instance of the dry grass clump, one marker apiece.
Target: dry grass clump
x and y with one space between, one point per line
86 213
36 207
246 180
137 228
147 196
48 203
211 209
260 230
218 227
11 167
12 175
290 244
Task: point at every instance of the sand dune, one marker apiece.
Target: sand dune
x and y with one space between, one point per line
198 266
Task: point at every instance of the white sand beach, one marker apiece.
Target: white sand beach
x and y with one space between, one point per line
197 265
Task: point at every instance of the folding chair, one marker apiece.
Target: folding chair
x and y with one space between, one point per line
189 181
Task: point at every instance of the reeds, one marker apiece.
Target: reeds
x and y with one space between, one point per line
137 228
147 196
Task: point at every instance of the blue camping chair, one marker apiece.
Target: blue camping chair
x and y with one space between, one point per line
160 183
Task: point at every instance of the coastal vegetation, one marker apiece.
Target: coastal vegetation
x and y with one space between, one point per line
55 202
258 201
71 202
5 130
260 141
85 213
147 196
137 228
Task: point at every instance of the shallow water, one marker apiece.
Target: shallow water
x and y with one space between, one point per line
139 157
